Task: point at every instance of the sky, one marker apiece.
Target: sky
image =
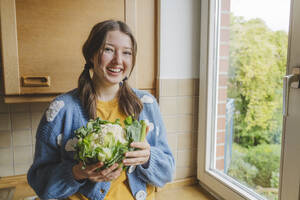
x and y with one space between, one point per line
274 12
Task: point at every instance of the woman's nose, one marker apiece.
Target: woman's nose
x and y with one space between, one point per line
118 58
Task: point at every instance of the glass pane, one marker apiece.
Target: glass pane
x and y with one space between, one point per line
252 52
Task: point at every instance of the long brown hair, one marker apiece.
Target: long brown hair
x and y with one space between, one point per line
129 103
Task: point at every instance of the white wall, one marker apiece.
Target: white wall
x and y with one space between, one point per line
179 39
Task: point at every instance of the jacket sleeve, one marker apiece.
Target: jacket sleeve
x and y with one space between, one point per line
161 165
51 175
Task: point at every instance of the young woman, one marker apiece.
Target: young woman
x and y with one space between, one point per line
110 53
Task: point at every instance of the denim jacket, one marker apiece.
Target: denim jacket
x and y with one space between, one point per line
51 176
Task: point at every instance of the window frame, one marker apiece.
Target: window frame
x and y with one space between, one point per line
219 183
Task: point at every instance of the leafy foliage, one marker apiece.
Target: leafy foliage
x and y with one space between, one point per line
241 170
256 166
257 65
266 158
135 130
105 141
275 179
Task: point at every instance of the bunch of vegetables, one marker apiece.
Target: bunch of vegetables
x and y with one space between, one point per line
107 142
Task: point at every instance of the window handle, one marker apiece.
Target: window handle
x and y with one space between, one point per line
290 81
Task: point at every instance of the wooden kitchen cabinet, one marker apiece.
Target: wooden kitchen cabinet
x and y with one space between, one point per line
42 40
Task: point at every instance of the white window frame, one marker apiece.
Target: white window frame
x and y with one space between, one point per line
220 184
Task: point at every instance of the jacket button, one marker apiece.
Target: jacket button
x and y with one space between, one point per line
141 195
131 169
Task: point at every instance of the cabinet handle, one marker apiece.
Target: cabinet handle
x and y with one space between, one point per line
36 81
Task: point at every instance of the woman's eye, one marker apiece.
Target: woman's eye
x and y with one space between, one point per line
127 53
107 49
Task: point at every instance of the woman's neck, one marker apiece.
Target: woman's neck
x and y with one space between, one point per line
106 92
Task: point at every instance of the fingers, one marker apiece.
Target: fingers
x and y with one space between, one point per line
114 174
135 161
92 173
77 172
141 153
140 145
109 177
107 174
138 157
93 167
109 170
91 170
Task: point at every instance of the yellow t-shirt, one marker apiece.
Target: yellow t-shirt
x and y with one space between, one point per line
119 190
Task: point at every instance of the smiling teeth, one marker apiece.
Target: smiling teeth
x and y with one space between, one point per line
114 70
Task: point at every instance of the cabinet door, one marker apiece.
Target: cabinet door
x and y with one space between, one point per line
42 41
50 35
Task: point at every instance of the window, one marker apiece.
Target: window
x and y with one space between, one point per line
243 60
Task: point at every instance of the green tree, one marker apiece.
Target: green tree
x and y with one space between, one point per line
257 65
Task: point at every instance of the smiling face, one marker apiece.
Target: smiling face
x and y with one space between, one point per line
114 61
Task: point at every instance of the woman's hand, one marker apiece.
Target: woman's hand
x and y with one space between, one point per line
138 157
91 172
